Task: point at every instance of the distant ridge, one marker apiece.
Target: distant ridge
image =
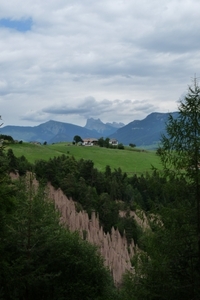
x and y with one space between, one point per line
146 132
51 132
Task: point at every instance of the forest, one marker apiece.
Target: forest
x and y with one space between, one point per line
40 259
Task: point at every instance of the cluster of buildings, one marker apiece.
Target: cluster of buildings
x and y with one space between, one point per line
93 141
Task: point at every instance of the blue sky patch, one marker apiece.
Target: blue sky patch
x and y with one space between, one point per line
19 25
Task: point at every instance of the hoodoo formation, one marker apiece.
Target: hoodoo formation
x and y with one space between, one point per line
112 246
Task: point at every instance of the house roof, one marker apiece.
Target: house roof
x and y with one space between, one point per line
90 140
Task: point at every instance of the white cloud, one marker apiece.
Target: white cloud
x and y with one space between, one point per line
79 53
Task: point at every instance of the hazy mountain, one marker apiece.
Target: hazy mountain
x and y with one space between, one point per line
140 132
143 132
103 129
51 131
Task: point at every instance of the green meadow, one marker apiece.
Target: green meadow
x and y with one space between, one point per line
129 160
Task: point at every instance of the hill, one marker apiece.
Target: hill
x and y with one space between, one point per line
129 160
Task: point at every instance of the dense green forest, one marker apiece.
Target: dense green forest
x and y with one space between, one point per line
39 259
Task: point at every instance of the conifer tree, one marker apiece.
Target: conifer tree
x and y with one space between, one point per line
169 267
180 150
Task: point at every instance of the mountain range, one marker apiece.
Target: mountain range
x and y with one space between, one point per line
146 132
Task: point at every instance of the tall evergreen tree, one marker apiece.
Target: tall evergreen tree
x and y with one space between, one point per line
169 266
180 149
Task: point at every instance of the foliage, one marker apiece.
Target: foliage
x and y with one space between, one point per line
17 165
77 139
7 138
43 260
180 147
101 142
93 190
7 206
106 143
12 161
6 192
169 266
99 191
168 269
132 145
120 146
37 255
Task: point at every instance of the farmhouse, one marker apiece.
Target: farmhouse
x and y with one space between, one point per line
35 143
113 142
89 142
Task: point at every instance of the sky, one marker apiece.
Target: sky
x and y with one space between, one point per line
116 60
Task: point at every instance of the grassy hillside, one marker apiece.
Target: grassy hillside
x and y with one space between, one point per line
128 160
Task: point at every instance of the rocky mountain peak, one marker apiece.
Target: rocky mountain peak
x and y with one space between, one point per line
99 126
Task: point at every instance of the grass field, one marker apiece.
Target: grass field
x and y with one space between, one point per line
129 160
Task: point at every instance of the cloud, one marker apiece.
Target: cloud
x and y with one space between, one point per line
116 60
90 107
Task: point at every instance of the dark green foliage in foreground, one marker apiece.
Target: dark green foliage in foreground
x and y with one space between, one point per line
42 260
169 267
7 205
180 147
